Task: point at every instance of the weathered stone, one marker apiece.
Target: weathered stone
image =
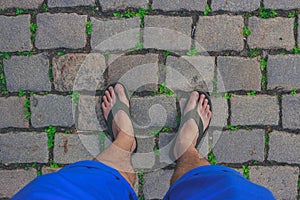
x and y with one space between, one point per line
284 5
16 34
79 72
48 170
136 72
145 144
157 111
14 180
27 73
284 147
23 147
240 146
281 180
60 30
284 72
12 110
235 5
291 111
190 73
236 73
70 3
157 184
51 109
175 5
123 4
167 33
254 110
119 34
282 30
25 4
219 33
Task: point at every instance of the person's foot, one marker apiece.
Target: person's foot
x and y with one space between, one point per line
189 132
121 122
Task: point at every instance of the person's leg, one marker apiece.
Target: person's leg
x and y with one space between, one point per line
118 154
187 155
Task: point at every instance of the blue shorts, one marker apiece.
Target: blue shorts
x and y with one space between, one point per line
91 180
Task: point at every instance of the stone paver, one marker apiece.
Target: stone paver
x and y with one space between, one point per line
236 73
117 34
12 181
284 72
27 73
284 5
107 5
187 73
240 146
157 184
176 5
145 143
78 72
254 110
219 33
51 109
70 3
23 147
235 5
25 4
16 34
60 30
13 110
284 147
138 72
155 111
168 33
282 30
281 180
291 111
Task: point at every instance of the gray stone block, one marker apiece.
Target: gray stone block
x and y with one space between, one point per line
189 73
16 34
281 180
283 72
145 143
235 5
24 4
70 3
236 73
60 30
78 72
157 184
157 111
14 180
27 73
107 5
240 146
69 148
23 147
51 109
284 147
168 33
136 72
13 110
175 5
219 33
291 111
282 30
254 110
117 34
284 5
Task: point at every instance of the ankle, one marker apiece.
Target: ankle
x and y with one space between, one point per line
125 141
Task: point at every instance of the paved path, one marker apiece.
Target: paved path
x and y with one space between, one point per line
55 54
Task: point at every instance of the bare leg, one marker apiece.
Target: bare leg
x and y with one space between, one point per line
188 156
118 154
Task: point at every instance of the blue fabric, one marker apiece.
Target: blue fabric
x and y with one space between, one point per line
216 182
86 180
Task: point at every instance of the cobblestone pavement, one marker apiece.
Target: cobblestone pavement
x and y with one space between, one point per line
249 60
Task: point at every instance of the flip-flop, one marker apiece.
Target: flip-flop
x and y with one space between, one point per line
193 114
119 105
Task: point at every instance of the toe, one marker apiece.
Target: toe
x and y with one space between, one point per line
121 94
108 96
112 92
192 102
105 101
